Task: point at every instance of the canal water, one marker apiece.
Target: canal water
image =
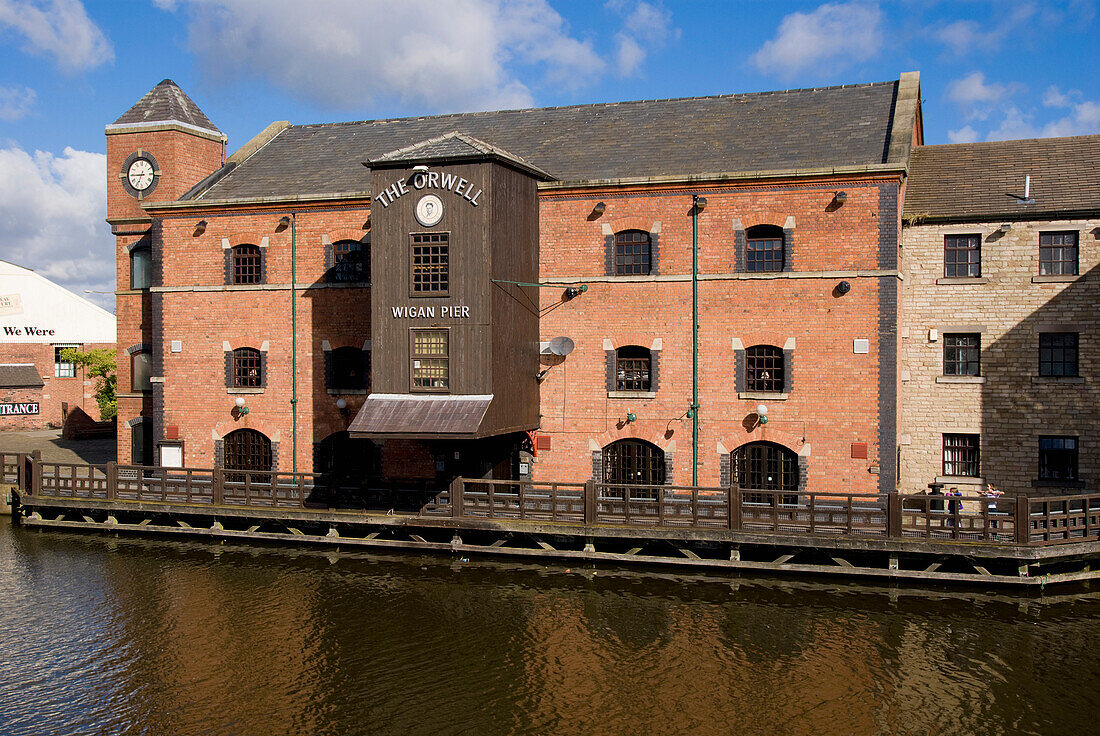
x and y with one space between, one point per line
124 635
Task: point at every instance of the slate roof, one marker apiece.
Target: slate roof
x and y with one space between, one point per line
972 181
817 129
407 414
451 146
20 375
166 103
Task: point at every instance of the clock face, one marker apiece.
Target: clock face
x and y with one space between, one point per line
140 174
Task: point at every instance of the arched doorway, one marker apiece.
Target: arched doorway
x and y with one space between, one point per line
634 462
246 449
348 466
766 466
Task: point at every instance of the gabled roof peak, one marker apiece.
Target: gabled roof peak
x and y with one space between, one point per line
166 103
455 145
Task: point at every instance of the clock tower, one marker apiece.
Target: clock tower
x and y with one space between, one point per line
156 151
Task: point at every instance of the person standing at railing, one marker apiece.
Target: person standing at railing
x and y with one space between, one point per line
993 493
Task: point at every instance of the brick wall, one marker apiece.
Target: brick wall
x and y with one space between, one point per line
1009 405
78 391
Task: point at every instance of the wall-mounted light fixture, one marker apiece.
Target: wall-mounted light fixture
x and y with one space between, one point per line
700 204
599 209
239 409
840 197
631 417
1005 227
572 292
843 288
761 414
541 374
200 228
284 223
420 167
343 407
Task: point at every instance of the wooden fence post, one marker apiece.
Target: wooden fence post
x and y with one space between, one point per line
893 515
589 502
735 498
1022 521
111 470
458 501
218 491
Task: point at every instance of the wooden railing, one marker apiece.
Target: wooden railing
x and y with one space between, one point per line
13 465
1018 521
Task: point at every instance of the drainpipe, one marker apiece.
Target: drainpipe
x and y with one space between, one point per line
294 336
695 205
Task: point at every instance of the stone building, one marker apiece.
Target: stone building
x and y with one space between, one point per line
39 319
510 294
999 330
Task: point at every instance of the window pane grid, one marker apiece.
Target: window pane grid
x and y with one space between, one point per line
632 369
961 455
1058 354
430 263
764 368
430 360
962 355
634 461
246 264
61 368
246 368
764 255
1058 254
962 256
767 467
632 253
350 261
246 449
1058 458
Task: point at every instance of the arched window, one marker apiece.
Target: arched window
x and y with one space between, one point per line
247 368
246 265
765 466
633 367
141 370
633 253
141 267
350 261
764 368
765 249
633 461
350 369
247 449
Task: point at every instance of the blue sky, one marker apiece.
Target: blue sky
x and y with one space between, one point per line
989 70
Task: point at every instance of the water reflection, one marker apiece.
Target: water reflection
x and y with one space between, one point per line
129 635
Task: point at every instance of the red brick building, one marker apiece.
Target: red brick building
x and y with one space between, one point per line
38 320
384 299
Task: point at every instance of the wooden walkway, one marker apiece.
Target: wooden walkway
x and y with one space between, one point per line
1017 541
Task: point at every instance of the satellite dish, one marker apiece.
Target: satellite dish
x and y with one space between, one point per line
561 346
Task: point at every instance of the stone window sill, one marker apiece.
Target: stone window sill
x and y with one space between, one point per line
1055 279
960 379
960 480
133 395
631 394
959 281
235 391
1070 380
347 391
763 395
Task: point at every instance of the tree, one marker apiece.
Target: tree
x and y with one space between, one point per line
100 365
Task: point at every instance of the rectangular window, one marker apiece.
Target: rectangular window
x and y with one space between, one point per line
962 355
633 253
62 368
1057 458
764 255
430 353
430 264
961 455
1058 254
1057 354
962 256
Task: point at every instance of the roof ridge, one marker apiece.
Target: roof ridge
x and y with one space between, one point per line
732 95
1057 138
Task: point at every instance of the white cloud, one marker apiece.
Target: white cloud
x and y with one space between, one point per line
458 55
51 211
58 29
966 134
1084 119
643 23
978 99
837 33
1054 97
16 103
967 36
